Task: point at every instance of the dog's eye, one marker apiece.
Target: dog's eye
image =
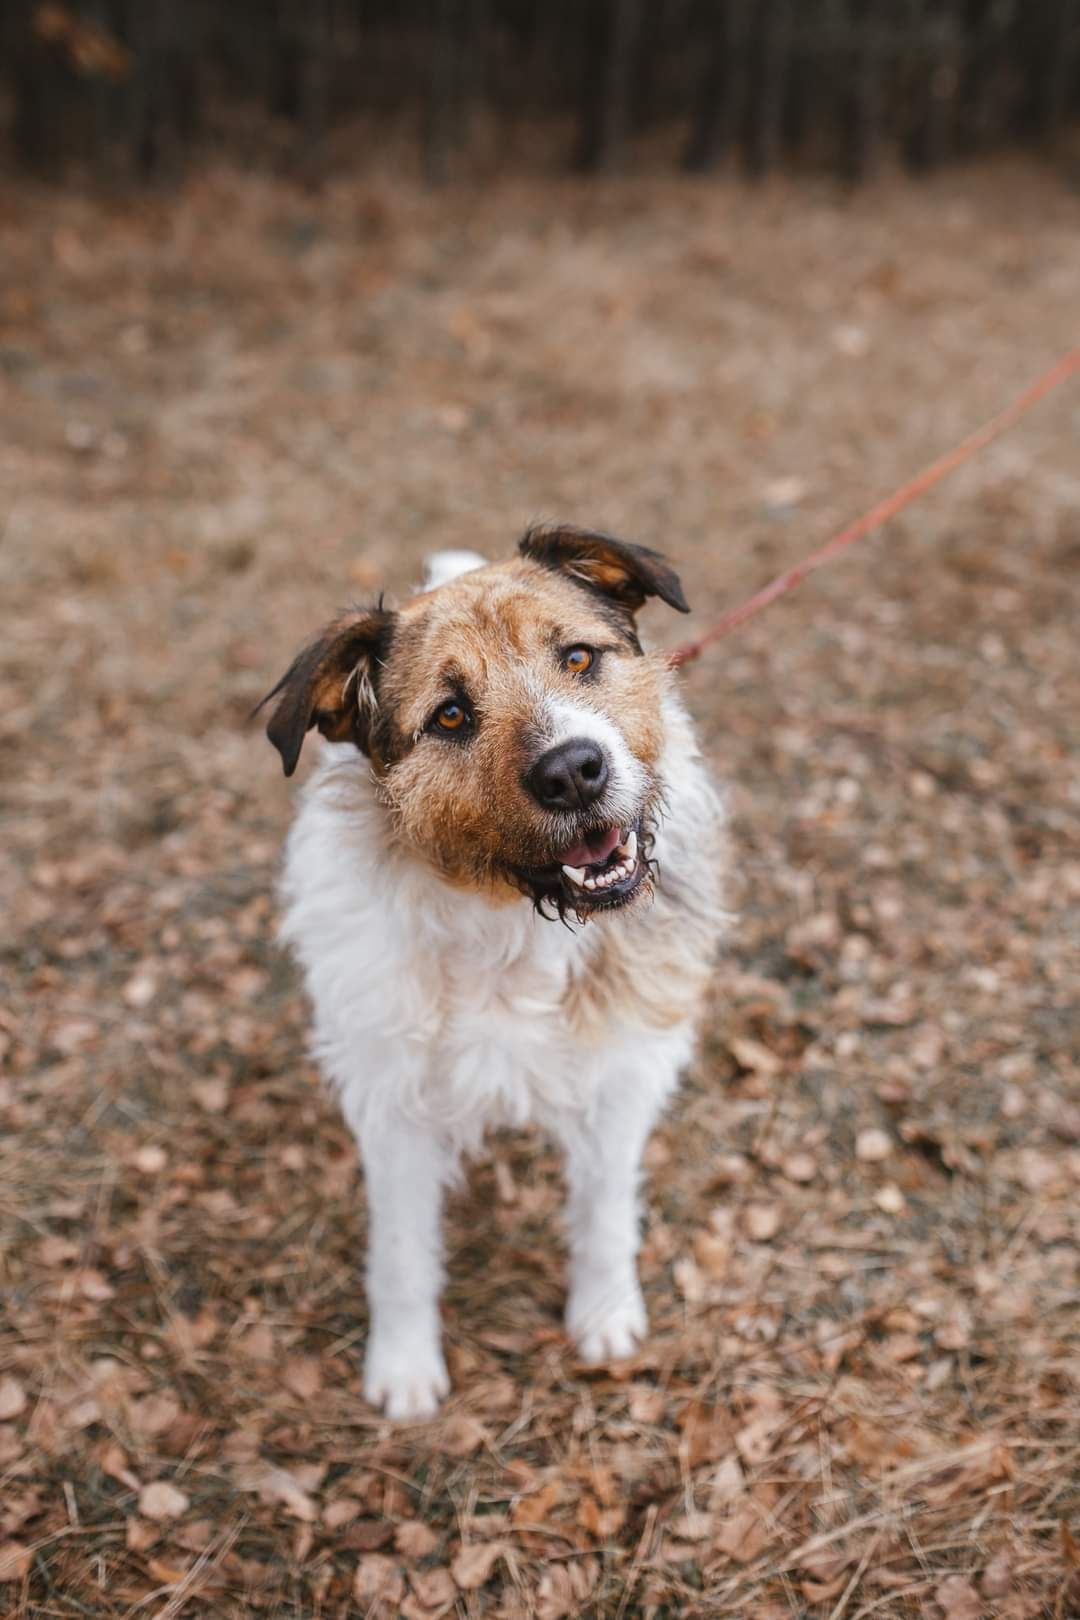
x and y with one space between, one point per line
451 717
578 659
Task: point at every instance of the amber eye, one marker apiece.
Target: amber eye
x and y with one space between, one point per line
451 717
578 659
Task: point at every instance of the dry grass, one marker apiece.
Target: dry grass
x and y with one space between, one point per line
223 416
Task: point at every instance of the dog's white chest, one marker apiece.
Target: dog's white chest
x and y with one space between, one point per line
427 998
504 1045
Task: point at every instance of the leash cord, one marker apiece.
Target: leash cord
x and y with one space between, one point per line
883 510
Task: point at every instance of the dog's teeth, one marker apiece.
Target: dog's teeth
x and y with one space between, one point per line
590 883
631 846
576 874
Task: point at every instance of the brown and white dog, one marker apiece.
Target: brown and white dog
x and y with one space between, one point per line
505 757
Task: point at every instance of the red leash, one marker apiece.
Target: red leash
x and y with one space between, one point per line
885 509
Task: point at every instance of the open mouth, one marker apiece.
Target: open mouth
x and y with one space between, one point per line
604 866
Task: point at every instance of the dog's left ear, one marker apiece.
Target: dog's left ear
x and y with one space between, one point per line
332 684
623 572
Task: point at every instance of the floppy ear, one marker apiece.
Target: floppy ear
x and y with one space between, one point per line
332 685
625 573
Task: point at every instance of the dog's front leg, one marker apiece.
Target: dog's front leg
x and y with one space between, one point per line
405 1167
605 1311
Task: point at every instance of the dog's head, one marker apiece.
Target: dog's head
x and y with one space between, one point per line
511 719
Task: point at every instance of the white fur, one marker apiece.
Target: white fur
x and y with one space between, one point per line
438 1013
626 779
443 566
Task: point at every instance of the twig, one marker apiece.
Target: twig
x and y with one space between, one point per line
860 1570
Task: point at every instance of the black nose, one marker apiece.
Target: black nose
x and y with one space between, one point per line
570 776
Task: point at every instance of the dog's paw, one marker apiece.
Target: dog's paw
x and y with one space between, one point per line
605 1329
407 1380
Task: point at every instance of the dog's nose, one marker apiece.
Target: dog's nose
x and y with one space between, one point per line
570 776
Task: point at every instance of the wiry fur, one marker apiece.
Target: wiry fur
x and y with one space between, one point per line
443 1003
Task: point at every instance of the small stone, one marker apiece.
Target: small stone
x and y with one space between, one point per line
162 1501
872 1146
151 1159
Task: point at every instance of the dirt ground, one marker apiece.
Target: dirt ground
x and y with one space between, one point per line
225 414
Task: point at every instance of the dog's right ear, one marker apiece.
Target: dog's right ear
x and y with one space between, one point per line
332 684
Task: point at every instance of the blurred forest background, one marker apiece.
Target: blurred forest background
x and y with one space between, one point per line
292 295
142 84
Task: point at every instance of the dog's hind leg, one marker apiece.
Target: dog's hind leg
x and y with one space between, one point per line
405 1168
605 1312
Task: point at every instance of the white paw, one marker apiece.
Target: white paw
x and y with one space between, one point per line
407 1378
606 1325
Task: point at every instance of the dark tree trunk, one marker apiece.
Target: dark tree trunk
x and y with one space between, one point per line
606 115
765 136
722 107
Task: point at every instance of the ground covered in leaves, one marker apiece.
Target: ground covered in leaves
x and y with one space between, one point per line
226 413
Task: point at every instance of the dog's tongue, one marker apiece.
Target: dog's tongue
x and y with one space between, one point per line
594 848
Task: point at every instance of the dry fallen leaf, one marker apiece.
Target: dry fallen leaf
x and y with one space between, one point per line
645 1404
823 1591
303 1376
996 1579
212 1096
601 1522
727 1482
534 1509
342 1511
140 1534
14 1560
258 1342
473 1564
754 1441
462 1435
958 1599
706 1433
12 1399
755 1056
160 1501
153 1414
55 1250
113 1461
713 1254
742 1536
164 1573
434 1588
379 1582
414 1539
689 1280
278 1485
564 1588
761 1221
694 1526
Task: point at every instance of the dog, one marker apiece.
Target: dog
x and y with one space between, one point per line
503 885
